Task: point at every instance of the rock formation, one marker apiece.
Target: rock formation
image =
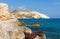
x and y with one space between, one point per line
9 28
28 14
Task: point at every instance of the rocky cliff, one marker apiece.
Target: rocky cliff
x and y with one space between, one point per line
9 28
28 14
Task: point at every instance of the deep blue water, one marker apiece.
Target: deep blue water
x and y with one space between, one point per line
51 27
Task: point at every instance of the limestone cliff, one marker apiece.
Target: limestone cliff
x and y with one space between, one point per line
28 14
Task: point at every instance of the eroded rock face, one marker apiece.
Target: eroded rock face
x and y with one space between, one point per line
28 14
4 14
3 7
9 26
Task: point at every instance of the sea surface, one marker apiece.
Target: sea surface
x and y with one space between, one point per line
51 27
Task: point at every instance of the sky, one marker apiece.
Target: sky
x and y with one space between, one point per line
48 7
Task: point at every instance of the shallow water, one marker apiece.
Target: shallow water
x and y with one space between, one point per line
51 27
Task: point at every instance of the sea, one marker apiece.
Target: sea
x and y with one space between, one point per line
51 27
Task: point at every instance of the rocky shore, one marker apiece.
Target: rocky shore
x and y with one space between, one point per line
11 28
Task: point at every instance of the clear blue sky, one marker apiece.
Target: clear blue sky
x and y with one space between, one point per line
49 7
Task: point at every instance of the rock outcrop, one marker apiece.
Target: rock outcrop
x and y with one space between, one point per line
9 28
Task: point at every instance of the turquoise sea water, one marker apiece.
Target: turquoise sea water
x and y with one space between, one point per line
51 27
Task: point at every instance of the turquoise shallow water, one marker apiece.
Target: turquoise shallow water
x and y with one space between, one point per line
51 27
